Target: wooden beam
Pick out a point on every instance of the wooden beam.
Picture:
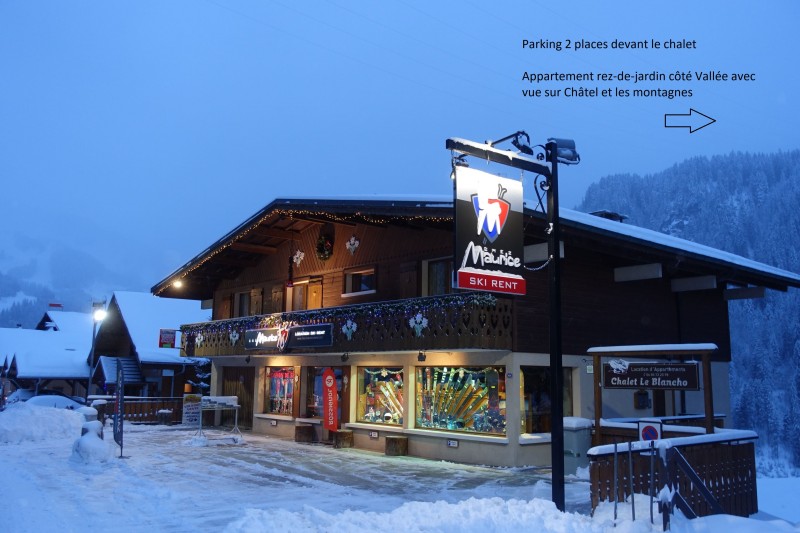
(638, 272)
(598, 400)
(254, 248)
(274, 232)
(708, 393)
(743, 293)
(699, 283)
(535, 253)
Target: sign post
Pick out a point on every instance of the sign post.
(119, 408)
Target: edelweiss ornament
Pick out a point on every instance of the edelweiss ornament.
(418, 323)
(298, 257)
(352, 244)
(234, 337)
(198, 341)
(349, 328)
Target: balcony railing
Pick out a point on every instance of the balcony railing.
(456, 321)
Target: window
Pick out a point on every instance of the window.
(359, 282)
(380, 395)
(470, 399)
(437, 277)
(314, 391)
(536, 405)
(243, 304)
(279, 390)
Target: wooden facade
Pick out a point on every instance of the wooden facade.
(296, 263)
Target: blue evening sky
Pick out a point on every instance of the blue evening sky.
(139, 132)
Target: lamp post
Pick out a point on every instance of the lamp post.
(98, 314)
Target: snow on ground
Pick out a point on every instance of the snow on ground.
(173, 480)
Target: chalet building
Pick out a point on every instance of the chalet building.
(141, 333)
(360, 294)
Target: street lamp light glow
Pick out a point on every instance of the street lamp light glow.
(99, 315)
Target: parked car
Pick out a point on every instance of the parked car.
(58, 400)
(23, 395)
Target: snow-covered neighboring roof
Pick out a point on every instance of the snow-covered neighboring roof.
(45, 354)
(145, 315)
(70, 322)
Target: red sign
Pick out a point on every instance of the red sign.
(166, 338)
(330, 402)
(481, 281)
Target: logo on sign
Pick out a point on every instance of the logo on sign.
(491, 210)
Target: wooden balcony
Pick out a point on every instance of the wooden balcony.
(449, 322)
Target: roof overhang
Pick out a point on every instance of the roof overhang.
(284, 218)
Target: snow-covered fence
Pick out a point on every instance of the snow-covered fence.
(142, 409)
(719, 472)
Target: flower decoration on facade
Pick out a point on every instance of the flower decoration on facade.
(324, 246)
(298, 257)
(234, 337)
(352, 244)
(418, 323)
(349, 328)
(198, 341)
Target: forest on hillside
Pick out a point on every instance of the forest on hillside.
(747, 204)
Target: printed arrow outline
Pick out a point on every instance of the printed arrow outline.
(691, 112)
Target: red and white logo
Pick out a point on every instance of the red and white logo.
(491, 210)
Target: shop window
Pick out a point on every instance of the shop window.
(380, 395)
(279, 390)
(469, 399)
(358, 282)
(536, 403)
(315, 391)
(437, 277)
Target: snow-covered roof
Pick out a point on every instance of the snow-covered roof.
(70, 322)
(145, 315)
(650, 237)
(45, 354)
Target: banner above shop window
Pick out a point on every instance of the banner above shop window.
(310, 336)
(489, 245)
(620, 374)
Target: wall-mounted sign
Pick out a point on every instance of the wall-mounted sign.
(309, 336)
(166, 338)
(620, 374)
(489, 246)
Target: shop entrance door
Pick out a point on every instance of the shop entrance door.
(239, 381)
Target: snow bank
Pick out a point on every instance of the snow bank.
(25, 423)
(489, 514)
(90, 448)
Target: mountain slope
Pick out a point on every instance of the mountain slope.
(746, 204)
